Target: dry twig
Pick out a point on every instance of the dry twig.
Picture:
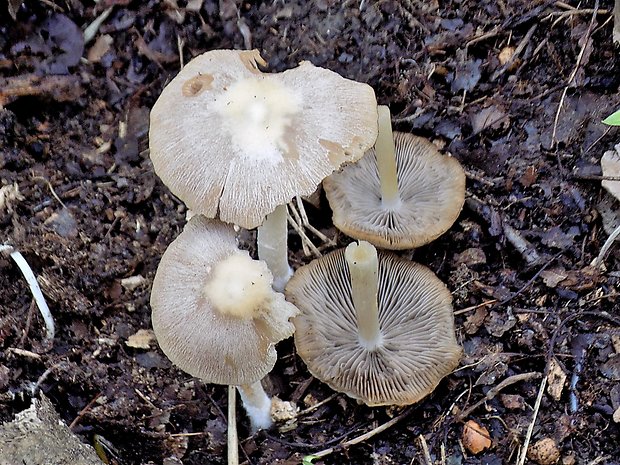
(526, 38)
(530, 428)
(496, 390)
(573, 74)
(365, 436)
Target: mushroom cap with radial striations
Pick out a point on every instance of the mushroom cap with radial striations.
(214, 313)
(418, 345)
(432, 193)
(234, 142)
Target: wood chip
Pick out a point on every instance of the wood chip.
(555, 380)
(142, 339)
(60, 88)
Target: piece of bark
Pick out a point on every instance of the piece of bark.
(37, 435)
(61, 88)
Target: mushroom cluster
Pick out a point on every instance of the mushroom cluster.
(235, 145)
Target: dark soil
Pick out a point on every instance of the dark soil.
(91, 214)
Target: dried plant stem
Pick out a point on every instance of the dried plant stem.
(496, 390)
(34, 289)
(598, 261)
(365, 436)
(573, 74)
(530, 428)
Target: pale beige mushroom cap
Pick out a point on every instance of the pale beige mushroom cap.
(432, 191)
(213, 310)
(416, 321)
(232, 141)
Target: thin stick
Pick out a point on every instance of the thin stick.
(496, 390)
(426, 453)
(527, 250)
(299, 230)
(317, 405)
(573, 74)
(598, 261)
(34, 289)
(306, 223)
(475, 307)
(233, 440)
(51, 188)
(91, 30)
(43, 377)
(180, 45)
(595, 177)
(82, 412)
(364, 436)
(24, 353)
(526, 38)
(530, 428)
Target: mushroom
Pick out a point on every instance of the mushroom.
(234, 142)
(215, 314)
(402, 194)
(374, 326)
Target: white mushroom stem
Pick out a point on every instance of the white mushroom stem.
(272, 246)
(386, 161)
(233, 440)
(364, 270)
(35, 289)
(257, 405)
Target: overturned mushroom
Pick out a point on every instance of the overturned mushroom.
(214, 312)
(374, 326)
(234, 142)
(402, 194)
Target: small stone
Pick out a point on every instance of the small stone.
(544, 452)
(62, 223)
(505, 55)
(569, 459)
(133, 282)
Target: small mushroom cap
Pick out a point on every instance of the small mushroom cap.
(232, 141)
(213, 310)
(432, 192)
(416, 321)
